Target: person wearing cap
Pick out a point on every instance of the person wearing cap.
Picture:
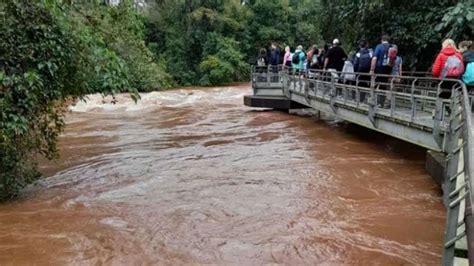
(335, 57)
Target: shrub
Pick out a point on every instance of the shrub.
(37, 61)
(51, 51)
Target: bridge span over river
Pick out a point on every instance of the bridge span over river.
(410, 109)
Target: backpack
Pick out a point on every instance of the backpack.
(348, 70)
(453, 67)
(296, 58)
(390, 56)
(365, 60)
(468, 77)
(261, 61)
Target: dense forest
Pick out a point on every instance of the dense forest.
(53, 51)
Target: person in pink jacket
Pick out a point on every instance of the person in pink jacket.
(287, 57)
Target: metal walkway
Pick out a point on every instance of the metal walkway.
(409, 109)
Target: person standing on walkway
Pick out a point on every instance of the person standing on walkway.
(382, 63)
(287, 57)
(298, 60)
(381, 60)
(274, 57)
(312, 56)
(362, 62)
(467, 50)
(397, 67)
(322, 55)
(262, 61)
(448, 64)
(334, 61)
(335, 57)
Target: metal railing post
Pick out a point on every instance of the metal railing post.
(392, 99)
(413, 101)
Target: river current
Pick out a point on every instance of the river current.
(193, 176)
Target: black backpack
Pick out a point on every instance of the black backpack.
(296, 58)
(365, 60)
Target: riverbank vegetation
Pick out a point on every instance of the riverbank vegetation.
(53, 50)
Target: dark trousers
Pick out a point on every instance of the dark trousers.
(382, 81)
(364, 81)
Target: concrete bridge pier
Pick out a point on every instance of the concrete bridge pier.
(280, 103)
(436, 166)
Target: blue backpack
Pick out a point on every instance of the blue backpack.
(468, 77)
(365, 60)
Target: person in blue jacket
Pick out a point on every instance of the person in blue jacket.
(298, 60)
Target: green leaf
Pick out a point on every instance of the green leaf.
(470, 16)
(456, 10)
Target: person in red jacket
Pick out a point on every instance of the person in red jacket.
(449, 49)
(448, 64)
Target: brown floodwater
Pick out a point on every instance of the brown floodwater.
(193, 176)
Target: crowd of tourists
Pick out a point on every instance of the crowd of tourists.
(452, 62)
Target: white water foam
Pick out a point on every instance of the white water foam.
(151, 100)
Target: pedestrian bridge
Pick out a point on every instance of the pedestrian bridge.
(408, 108)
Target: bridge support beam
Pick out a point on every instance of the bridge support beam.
(436, 166)
(275, 102)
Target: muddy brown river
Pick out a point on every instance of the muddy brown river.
(193, 176)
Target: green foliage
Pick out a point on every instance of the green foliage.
(222, 61)
(197, 40)
(214, 41)
(416, 26)
(55, 50)
(458, 22)
(113, 39)
(37, 61)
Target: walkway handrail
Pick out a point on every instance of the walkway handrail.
(469, 172)
(424, 77)
(268, 68)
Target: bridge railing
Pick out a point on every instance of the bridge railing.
(417, 83)
(406, 98)
(460, 149)
(267, 76)
(469, 171)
